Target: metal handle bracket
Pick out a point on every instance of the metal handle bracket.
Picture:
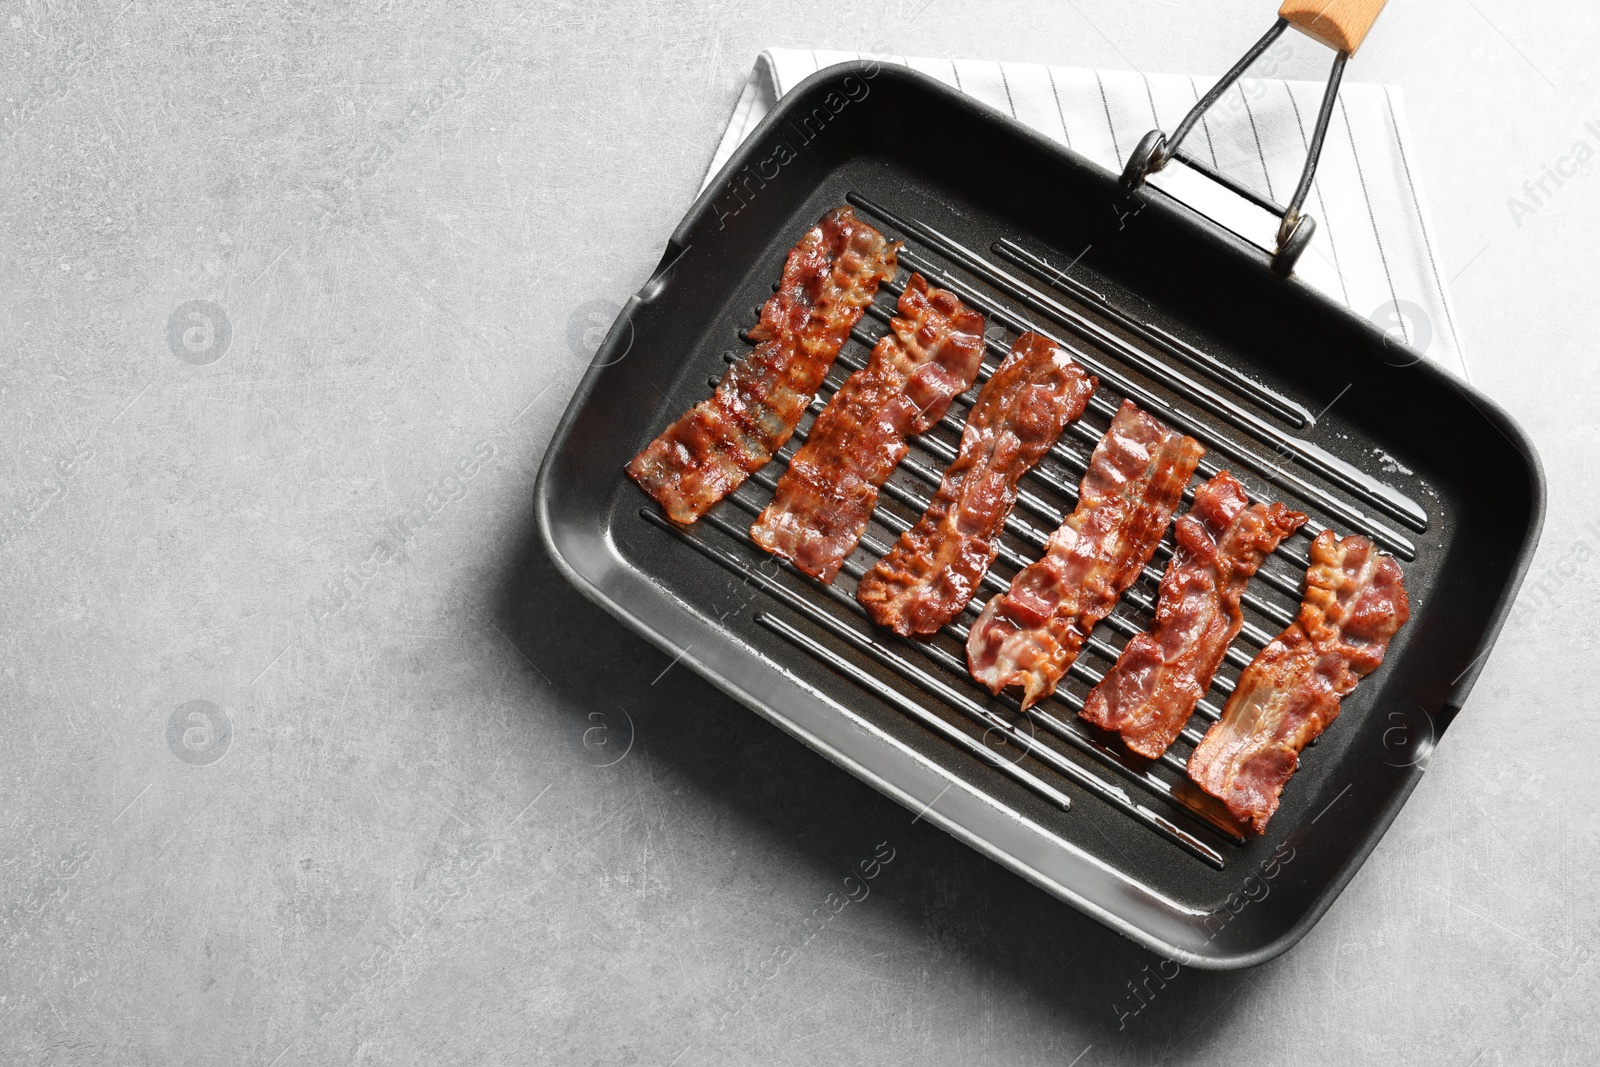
(1295, 230)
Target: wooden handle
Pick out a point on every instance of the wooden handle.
(1340, 24)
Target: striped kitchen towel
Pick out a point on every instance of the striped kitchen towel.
(1372, 251)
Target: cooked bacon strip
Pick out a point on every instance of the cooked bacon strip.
(1355, 602)
(825, 499)
(931, 572)
(828, 280)
(1030, 635)
(1161, 675)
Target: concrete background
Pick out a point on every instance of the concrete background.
(231, 835)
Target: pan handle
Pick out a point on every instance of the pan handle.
(1340, 24)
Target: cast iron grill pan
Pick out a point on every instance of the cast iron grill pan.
(1301, 400)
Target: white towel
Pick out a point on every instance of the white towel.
(1372, 251)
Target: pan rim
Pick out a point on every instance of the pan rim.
(1226, 243)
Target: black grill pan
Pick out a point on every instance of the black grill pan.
(1168, 309)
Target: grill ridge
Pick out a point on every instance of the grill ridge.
(941, 673)
(1370, 489)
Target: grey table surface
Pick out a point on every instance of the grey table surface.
(237, 827)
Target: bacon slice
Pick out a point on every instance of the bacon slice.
(823, 502)
(830, 277)
(933, 569)
(1355, 603)
(1161, 675)
(1030, 635)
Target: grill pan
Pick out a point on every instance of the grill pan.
(1171, 311)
